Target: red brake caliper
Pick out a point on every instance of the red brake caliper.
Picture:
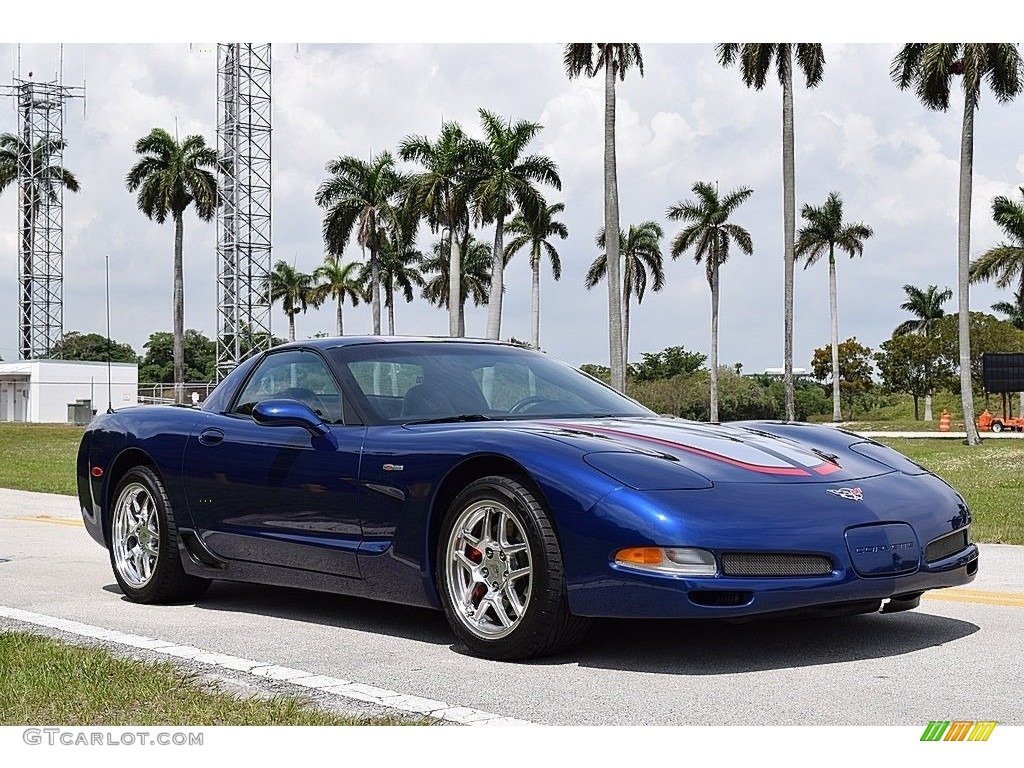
(479, 590)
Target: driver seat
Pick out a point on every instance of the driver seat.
(426, 400)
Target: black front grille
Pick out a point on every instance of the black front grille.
(947, 545)
(774, 564)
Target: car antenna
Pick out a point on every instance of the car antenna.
(110, 389)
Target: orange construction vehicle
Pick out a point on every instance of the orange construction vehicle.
(987, 422)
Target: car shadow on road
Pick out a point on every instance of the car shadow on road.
(720, 648)
(329, 610)
(636, 645)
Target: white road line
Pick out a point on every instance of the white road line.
(329, 685)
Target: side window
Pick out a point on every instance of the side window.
(385, 383)
(294, 375)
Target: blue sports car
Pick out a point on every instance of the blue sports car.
(512, 491)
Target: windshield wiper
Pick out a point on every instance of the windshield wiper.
(452, 419)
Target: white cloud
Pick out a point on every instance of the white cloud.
(687, 119)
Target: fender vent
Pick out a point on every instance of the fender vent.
(947, 545)
(774, 565)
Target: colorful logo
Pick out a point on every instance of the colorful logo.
(958, 730)
(853, 494)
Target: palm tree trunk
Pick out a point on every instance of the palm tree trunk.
(291, 326)
(611, 228)
(714, 338)
(833, 310)
(963, 267)
(375, 288)
(456, 322)
(179, 312)
(462, 318)
(497, 292)
(535, 299)
(391, 313)
(928, 390)
(789, 233)
(340, 320)
(625, 334)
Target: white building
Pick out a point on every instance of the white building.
(40, 391)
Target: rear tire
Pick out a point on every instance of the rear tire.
(500, 573)
(997, 426)
(144, 543)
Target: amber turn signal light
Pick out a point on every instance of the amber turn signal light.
(640, 555)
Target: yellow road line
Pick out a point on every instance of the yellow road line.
(1015, 599)
(51, 520)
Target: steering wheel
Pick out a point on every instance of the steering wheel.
(307, 397)
(526, 402)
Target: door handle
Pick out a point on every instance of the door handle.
(211, 437)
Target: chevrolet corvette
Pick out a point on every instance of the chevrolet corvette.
(511, 491)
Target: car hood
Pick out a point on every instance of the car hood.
(748, 452)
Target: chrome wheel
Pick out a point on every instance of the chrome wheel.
(489, 569)
(135, 535)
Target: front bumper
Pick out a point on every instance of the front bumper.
(630, 594)
(906, 512)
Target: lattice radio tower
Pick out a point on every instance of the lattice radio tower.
(243, 217)
(40, 108)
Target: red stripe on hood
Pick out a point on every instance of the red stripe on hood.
(825, 469)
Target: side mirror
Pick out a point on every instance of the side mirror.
(289, 413)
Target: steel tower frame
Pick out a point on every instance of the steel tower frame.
(40, 108)
(244, 213)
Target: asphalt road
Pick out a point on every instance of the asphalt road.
(959, 656)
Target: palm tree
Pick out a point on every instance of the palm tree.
(537, 232)
(1014, 310)
(1004, 263)
(926, 306)
(441, 194)
(930, 68)
(171, 176)
(337, 281)
(48, 179)
(504, 180)
(615, 59)
(710, 233)
(756, 61)
(294, 289)
(359, 196)
(399, 260)
(474, 275)
(640, 251)
(14, 151)
(824, 232)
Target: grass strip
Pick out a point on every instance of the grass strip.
(47, 682)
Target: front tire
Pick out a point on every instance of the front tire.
(144, 543)
(500, 573)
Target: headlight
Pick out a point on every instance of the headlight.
(677, 561)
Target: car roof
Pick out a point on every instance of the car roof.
(351, 341)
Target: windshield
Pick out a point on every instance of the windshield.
(438, 381)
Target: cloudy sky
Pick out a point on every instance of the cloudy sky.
(894, 162)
